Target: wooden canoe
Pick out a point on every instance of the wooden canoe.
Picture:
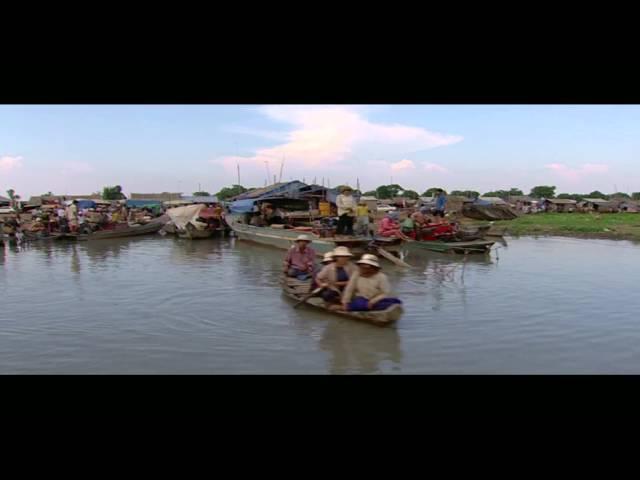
(130, 231)
(297, 289)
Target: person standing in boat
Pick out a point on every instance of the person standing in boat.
(335, 276)
(441, 205)
(368, 288)
(346, 211)
(362, 219)
(300, 260)
(72, 216)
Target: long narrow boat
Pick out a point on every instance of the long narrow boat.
(475, 246)
(284, 238)
(296, 290)
(129, 231)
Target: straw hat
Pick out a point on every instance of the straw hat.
(303, 238)
(342, 252)
(369, 259)
(346, 189)
(328, 257)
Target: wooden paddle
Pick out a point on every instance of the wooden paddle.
(307, 297)
(392, 258)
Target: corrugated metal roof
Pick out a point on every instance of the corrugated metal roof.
(283, 188)
(595, 200)
(567, 201)
(495, 200)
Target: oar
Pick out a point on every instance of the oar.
(392, 258)
(307, 297)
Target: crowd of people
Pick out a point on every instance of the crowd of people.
(73, 217)
(345, 285)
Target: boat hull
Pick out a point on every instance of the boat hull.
(296, 290)
(478, 246)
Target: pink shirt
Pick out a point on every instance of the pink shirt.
(299, 260)
(388, 225)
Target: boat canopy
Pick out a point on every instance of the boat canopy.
(181, 216)
(294, 190)
(242, 206)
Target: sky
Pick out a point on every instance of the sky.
(79, 149)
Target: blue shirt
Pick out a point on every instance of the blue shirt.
(441, 201)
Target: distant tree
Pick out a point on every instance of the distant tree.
(571, 196)
(112, 193)
(635, 195)
(465, 193)
(410, 194)
(597, 194)
(515, 192)
(431, 191)
(370, 193)
(543, 191)
(13, 198)
(497, 193)
(388, 191)
(229, 192)
(620, 195)
(48, 194)
(201, 194)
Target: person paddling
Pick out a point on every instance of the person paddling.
(368, 288)
(335, 276)
(300, 259)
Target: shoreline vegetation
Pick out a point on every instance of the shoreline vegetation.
(613, 226)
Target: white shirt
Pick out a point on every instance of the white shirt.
(346, 205)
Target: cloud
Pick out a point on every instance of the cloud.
(577, 173)
(403, 165)
(432, 167)
(8, 163)
(324, 136)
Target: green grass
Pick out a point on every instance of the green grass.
(605, 225)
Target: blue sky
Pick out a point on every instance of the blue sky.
(78, 149)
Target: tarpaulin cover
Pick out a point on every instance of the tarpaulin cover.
(143, 203)
(86, 204)
(242, 206)
(181, 216)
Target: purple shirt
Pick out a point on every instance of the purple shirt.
(299, 260)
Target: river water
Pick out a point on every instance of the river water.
(165, 305)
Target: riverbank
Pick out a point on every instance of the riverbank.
(614, 226)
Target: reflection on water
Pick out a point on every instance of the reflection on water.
(166, 305)
(359, 351)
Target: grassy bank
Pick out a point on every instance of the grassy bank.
(624, 226)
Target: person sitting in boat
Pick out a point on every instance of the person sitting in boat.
(389, 226)
(368, 288)
(335, 276)
(327, 259)
(273, 215)
(300, 259)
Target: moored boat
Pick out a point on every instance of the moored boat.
(297, 290)
(283, 238)
(475, 246)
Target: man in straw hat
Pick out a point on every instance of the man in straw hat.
(368, 288)
(346, 211)
(300, 259)
(335, 276)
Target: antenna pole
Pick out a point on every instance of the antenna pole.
(281, 167)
